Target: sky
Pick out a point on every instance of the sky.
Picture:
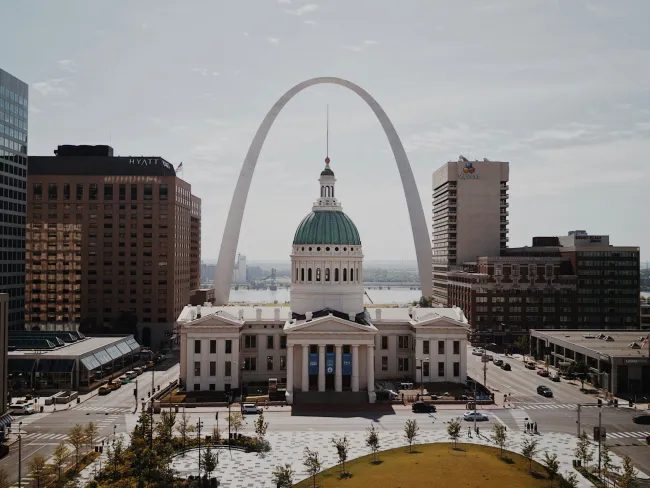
(557, 88)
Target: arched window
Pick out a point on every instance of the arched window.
(351, 274)
(327, 274)
(336, 274)
(296, 274)
(317, 274)
(309, 274)
(322, 191)
(332, 192)
(345, 274)
(302, 274)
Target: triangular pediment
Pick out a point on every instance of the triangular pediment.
(437, 321)
(220, 319)
(329, 324)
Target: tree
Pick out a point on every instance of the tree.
(282, 476)
(77, 439)
(425, 302)
(453, 430)
(551, 465)
(628, 475)
(569, 480)
(312, 463)
(372, 441)
(500, 437)
(216, 433)
(583, 449)
(116, 455)
(528, 450)
(38, 469)
(4, 478)
(236, 421)
(411, 431)
(581, 369)
(183, 426)
(90, 433)
(522, 344)
(342, 450)
(165, 428)
(260, 427)
(606, 463)
(210, 461)
(60, 454)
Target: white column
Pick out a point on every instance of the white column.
(289, 368)
(355, 368)
(338, 368)
(370, 355)
(321, 367)
(305, 368)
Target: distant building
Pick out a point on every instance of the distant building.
(470, 216)
(108, 235)
(645, 313)
(13, 183)
(239, 273)
(5, 418)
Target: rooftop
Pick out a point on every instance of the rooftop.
(599, 341)
(75, 349)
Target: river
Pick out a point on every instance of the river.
(396, 295)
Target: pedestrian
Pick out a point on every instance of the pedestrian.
(535, 427)
(478, 433)
(469, 432)
(527, 426)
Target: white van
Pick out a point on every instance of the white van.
(21, 410)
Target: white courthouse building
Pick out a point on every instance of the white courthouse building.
(327, 342)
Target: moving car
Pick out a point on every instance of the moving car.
(531, 365)
(545, 391)
(478, 351)
(498, 362)
(556, 378)
(104, 390)
(20, 410)
(642, 418)
(480, 417)
(251, 408)
(542, 372)
(421, 407)
(506, 367)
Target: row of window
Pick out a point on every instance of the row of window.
(93, 191)
(300, 275)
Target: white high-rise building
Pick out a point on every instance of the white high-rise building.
(239, 272)
(470, 216)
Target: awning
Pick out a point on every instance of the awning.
(124, 348)
(103, 357)
(114, 352)
(6, 420)
(90, 362)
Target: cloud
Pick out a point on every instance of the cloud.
(284, 1)
(205, 72)
(273, 40)
(310, 22)
(362, 46)
(305, 9)
(144, 26)
(246, 34)
(33, 109)
(53, 86)
(67, 65)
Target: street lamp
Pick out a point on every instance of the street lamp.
(421, 360)
(199, 424)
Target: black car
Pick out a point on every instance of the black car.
(545, 391)
(421, 407)
(642, 418)
(506, 367)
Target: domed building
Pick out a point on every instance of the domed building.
(328, 347)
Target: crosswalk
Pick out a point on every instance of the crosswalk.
(625, 435)
(83, 408)
(551, 406)
(48, 438)
(520, 417)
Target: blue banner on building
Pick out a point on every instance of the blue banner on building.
(313, 364)
(329, 363)
(347, 364)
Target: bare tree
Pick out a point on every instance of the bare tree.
(411, 431)
(38, 469)
(77, 439)
(551, 465)
(236, 421)
(372, 441)
(607, 465)
(583, 449)
(91, 433)
(183, 426)
(528, 450)
(628, 474)
(312, 462)
(500, 437)
(60, 454)
(342, 450)
(453, 430)
(282, 476)
(260, 426)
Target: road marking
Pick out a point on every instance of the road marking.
(622, 435)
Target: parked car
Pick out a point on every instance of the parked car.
(251, 408)
(478, 351)
(139, 370)
(506, 367)
(131, 374)
(556, 378)
(531, 365)
(150, 364)
(421, 407)
(480, 417)
(21, 410)
(114, 385)
(542, 372)
(124, 379)
(498, 362)
(545, 391)
(642, 418)
(104, 390)
(647, 440)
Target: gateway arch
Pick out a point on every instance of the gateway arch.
(226, 262)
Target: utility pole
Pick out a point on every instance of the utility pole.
(600, 436)
(20, 454)
(229, 404)
(578, 420)
(198, 434)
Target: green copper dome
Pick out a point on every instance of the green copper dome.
(327, 227)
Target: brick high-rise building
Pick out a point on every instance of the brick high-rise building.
(195, 244)
(13, 184)
(106, 236)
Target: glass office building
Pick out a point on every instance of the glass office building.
(13, 199)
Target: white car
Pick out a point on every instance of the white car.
(480, 417)
(251, 408)
(21, 410)
(478, 352)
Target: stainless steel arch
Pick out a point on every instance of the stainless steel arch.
(226, 262)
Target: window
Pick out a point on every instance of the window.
(213, 346)
(269, 342)
(108, 191)
(283, 342)
(403, 342)
(213, 368)
(38, 191)
(269, 363)
(80, 191)
(403, 364)
(212, 386)
(228, 346)
(197, 368)
(456, 369)
(250, 341)
(162, 192)
(456, 347)
(134, 192)
(441, 369)
(66, 191)
(148, 191)
(384, 363)
(317, 274)
(92, 191)
(425, 347)
(441, 347)
(384, 342)
(52, 191)
(327, 274)
(228, 368)
(197, 387)
(197, 347)
(283, 363)
(309, 274)
(122, 191)
(425, 368)
(250, 364)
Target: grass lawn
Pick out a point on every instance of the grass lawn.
(435, 465)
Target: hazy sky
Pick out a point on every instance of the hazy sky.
(558, 88)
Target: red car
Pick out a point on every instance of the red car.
(542, 372)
